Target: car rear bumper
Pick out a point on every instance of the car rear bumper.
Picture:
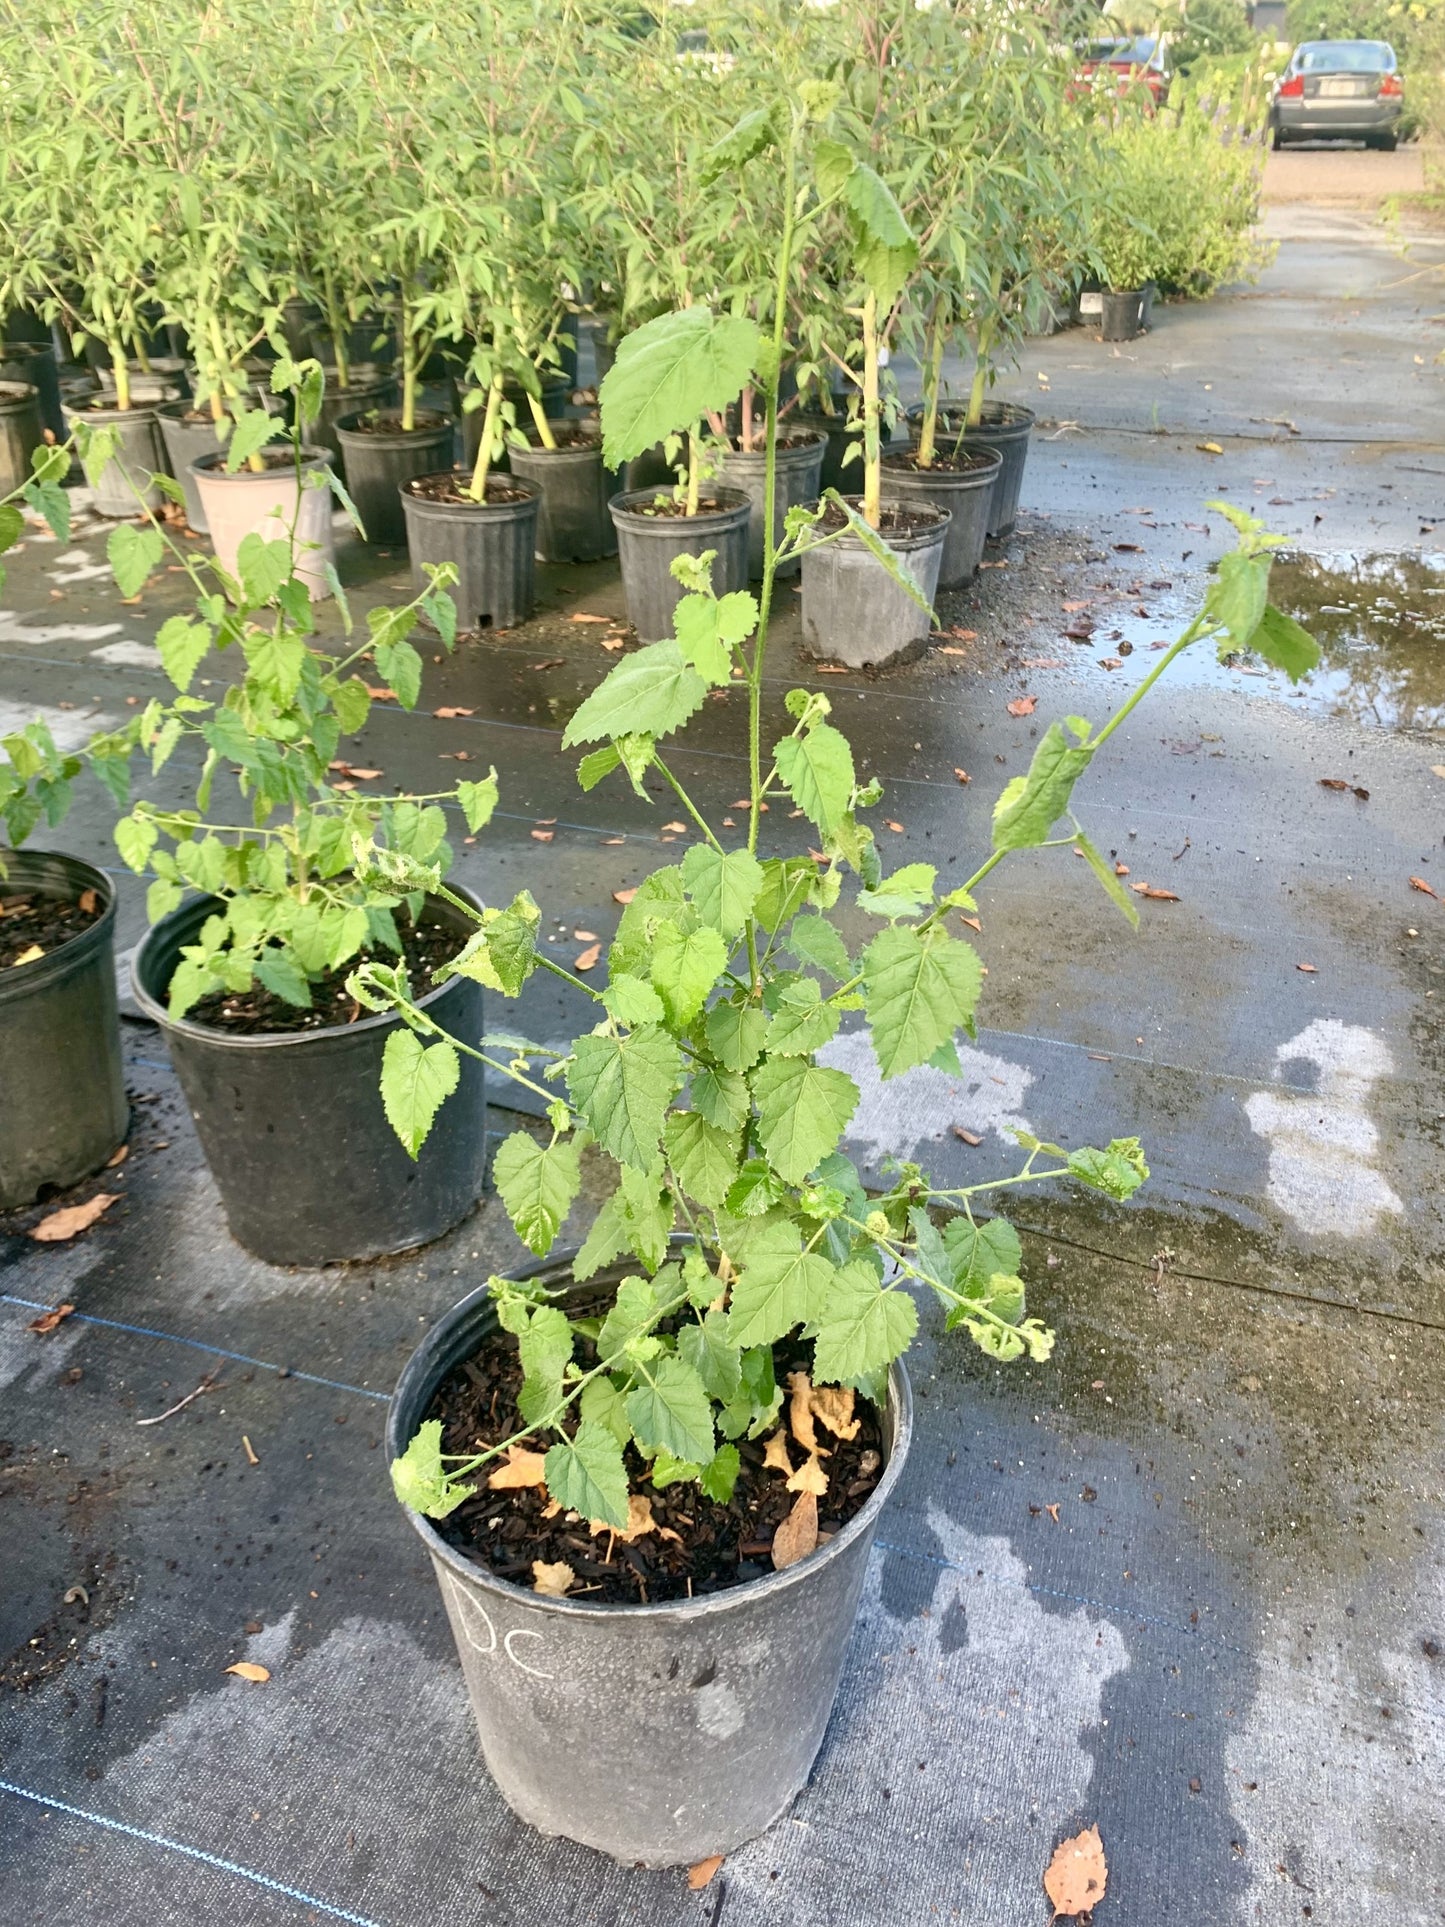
(1336, 119)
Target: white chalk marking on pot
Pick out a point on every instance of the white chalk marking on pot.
(518, 1632)
(129, 655)
(15, 628)
(923, 1104)
(464, 1607)
(1322, 1146)
(719, 1711)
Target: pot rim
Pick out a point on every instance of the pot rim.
(94, 407)
(806, 443)
(17, 394)
(16, 983)
(950, 477)
(441, 423)
(621, 504)
(916, 539)
(428, 505)
(574, 450)
(1005, 414)
(900, 1401)
(208, 466)
(192, 908)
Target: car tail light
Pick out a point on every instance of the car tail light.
(1391, 87)
(1293, 88)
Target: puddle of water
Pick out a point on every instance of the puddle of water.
(1380, 621)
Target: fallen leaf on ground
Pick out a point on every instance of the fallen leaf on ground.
(1071, 608)
(379, 693)
(678, 829)
(1209, 448)
(775, 1452)
(1043, 662)
(1308, 969)
(1023, 706)
(248, 1669)
(702, 1873)
(88, 902)
(1053, 1511)
(1437, 769)
(1148, 890)
(585, 959)
(584, 936)
(1333, 783)
(1129, 548)
(797, 1536)
(552, 662)
(800, 1410)
(454, 710)
(613, 643)
(889, 824)
(48, 1320)
(1111, 662)
(32, 955)
(1077, 1875)
(117, 1157)
(969, 1137)
(456, 756)
(963, 775)
(523, 1468)
(945, 650)
(250, 1451)
(964, 635)
(550, 1580)
(542, 836)
(1419, 883)
(585, 615)
(361, 775)
(972, 922)
(75, 1218)
(608, 841)
(1121, 869)
(624, 896)
(833, 1407)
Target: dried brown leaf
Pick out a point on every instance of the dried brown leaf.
(88, 902)
(889, 824)
(1077, 1875)
(552, 662)
(624, 896)
(586, 615)
(963, 775)
(117, 1156)
(639, 1521)
(523, 1468)
(833, 1407)
(48, 1320)
(797, 1536)
(1149, 890)
(775, 1453)
(698, 1876)
(73, 1219)
(1419, 883)
(248, 1669)
(1023, 706)
(454, 709)
(678, 829)
(800, 1410)
(809, 1477)
(1333, 783)
(969, 1137)
(31, 955)
(552, 1580)
(1308, 969)
(584, 936)
(585, 959)
(542, 836)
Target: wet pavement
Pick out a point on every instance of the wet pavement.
(1228, 1649)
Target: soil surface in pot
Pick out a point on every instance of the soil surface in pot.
(945, 462)
(677, 511)
(448, 488)
(894, 518)
(717, 1546)
(29, 922)
(279, 457)
(389, 422)
(568, 435)
(735, 443)
(195, 418)
(259, 1012)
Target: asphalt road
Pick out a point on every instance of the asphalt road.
(1227, 1650)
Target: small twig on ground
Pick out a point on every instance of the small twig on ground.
(205, 1386)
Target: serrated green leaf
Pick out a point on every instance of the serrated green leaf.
(597, 764)
(862, 1328)
(736, 1034)
(622, 1086)
(1238, 596)
(352, 703)
(778, 1287)
(283, 976)
(49, 499)
(722, 1097)
(708, 628)
(253, 429)
(704, 1158)
(1030, 805)
(538, 1184)
(401, 668)
(416, 1080)
(669, 373)
(275, 658)
(602, 1403)
(628, 1000)
(685, 966)
(585, 1474)
(802, 1022)
(724, 886)
(976, 1251)
(12, 526)
(1113, 889)
(1118, 1170)
(919, 990)
(1284, 644)
(263, 567)
(789, 884)
(653, 691)
(420, 1479)
(658, 896)
(708, 1347)
(666, 1470)
(813, 940)
(670, 1411)
(133, 553)
(183, 648)
(756, 1189)
(503, 953)
(135, 838)
(817, 770)
(718, 1478)
(803, 1110)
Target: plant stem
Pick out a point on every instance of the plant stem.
(336, 324)
(872, 451)
(1191, 634)
(408, 376)
(478, 489)
(932, 381)
(121, 372)
(686, 802)
(983, 361)
(694, 472)
(540, 422)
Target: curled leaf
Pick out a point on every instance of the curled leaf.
(72, 1219)
(552, 1581)
(775, 1453)
(523, 1468)
(800, 1410)
(809, 1477)
(833, 1407)
(248, 1669)
(797, 1536)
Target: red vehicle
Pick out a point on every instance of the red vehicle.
(1134, 61)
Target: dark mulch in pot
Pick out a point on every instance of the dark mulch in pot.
(945, 460)
(894, 518)
(195, 418)
(568, 435)
(283, 455)
(448, 488)
(805, 440)
(389, 422)
(718, 1546)
(666, 506)
(260, 1012)
(27, 920)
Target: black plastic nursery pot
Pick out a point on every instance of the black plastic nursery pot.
(1121, 314)
(796, 482)
(379, 455)
(292, 1125)
(369, 387)
(1006, 426)
(493, 545)
(835, 472)
(572, 523)
(966, 492)
(853, 610)
(21, 432)
(34, 362)
(139, 455)
(647, 543)
(556, 393)
(63, 1107)
(658, 1734)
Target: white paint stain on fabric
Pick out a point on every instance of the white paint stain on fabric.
(920, 1105)
(129, 655)
(69, 727)
(78, 565)
(20, 628)
(1323, 1146)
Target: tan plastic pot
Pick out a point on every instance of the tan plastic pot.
(267, 505)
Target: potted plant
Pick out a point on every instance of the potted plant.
(648, 1471)
(65, 1108)
(246, 978)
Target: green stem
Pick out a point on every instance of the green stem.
(408, 376)
(872, 447)
(336, 326)
(932, 382)
(478, 489)
(687, 802)
(121, 372)
(694, 472)
(540, 422)
(1192, 634)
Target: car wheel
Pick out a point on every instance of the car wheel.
(1279, 141)
(1386, 143)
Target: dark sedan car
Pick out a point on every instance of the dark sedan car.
(1339, 90)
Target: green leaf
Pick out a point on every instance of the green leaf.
(628, 1000)
(666, 1470)
(352, 703)
(788, 884)
(263, 567)
(709, 1349)
(416, 1080)
(401, 667)
(585, 1474)
(283, 976)
(778, 1287)
(718, 1478)
(1284, 644)
(420, 1479)
(183, 646)
(275, 658)
(919, 989)
(602, 1402)
(1030, 805)
(862, 1328)
(722, 1097)
(133, 553)
(135, 838)
(685, 966)
(977, 1251)
(49, 499)
(670, 1411)
(802, 1022)
(669, 373)
(756, 1189)
(736, 1034)
(754, 134)
(597, 764)
(723, 886)
(12, 526)
(1118, 1170)
(1113, 889)
(709, 627)
(253, 429)
(904, 894)
(868, 196)
(477, 801)
(658, 896)
(704, 1158)
(817, 770)
(622, 1086)
(503, 953)
(803, 1110)
(652, 691)
(1238, 596)
(537, 1183)
(813, 940)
